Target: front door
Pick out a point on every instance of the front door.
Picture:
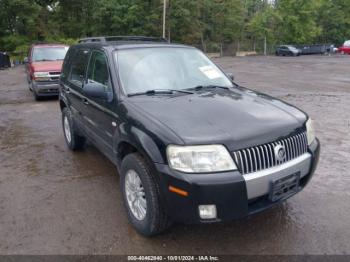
(99, 116)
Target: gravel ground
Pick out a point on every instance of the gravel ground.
(53, 201)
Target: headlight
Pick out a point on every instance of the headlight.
(310, 131)
(42, 76)
(200, 159)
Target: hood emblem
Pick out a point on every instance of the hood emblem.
(280, 153)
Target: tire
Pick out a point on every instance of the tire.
(36, 96)
(30, 86)
(153, 220)
(73, 140)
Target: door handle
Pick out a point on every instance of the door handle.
(85, 101)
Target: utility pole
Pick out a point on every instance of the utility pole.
(164, 18)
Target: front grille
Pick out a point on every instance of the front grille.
(262, 157)
(54, 76)
(54, 73)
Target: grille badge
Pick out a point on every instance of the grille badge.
(280, 153)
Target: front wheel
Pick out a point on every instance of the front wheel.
(30, 86)
(73, 140)
(141, 195)
(36, 96)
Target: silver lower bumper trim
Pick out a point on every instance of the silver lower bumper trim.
(258, 183)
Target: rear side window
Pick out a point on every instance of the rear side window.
(66, 63)
(78, 67)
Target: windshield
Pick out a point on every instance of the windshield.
(175, 68)
(49, 53)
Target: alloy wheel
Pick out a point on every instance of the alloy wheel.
(135, 195)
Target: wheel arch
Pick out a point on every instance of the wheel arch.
(62, 104)
(126, 147)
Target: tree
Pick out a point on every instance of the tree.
(298, 24)
(333, 18)
(207, 24)
(18, 23)
(263, 24)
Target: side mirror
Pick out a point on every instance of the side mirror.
(231, 76)
(95, 90)
(26, 60)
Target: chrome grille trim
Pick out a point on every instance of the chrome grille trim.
(261, 157)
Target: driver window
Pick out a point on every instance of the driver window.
(98, 70)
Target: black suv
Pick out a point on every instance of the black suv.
(189, 144)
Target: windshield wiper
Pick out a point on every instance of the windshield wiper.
(208, 86)
(160, 91)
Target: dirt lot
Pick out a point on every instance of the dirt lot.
(53, 201)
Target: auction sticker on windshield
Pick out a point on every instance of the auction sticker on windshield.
(210, 72)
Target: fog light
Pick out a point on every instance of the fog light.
(207, 211)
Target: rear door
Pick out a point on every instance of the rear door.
(99, 116)
(73, 86)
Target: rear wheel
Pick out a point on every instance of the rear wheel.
(141, 194)
(73, 140)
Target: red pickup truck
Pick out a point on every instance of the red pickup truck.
(345, 49)
(43, 66)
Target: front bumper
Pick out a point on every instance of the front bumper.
(234, 195)
(45, 88)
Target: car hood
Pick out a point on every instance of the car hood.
(240, 118)
(47, 66)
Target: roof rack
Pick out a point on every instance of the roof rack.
(105, 39)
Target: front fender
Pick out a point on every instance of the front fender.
(143, 142)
